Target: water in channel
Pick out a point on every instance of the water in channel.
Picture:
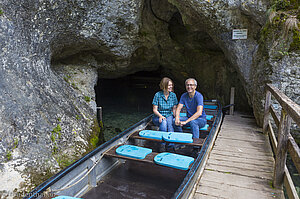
(125, 101)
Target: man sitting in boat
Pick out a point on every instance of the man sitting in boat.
(193, 101)
(164, 106)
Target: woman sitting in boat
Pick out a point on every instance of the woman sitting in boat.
(164, 106)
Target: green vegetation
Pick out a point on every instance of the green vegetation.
(295, 45)
(1, 12)
(66, 79)
(74, 86)
(94, 141)
(284, 20)
(64, 161)
(77, 117)
(52, 137)
(96, 137)
(16, 141)
(87, 98)
(285, 4)
(55, 133)
(8, 155)
(57, 130)
(271, 184)
(55, 149)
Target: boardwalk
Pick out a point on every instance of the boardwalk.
(240, 164)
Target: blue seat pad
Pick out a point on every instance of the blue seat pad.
(211, 106)
(65, 197)
(182, 114)
(152, 134)
(174, 160)
(208, 117)
(178, 137)
(205, 127)
(133, 151)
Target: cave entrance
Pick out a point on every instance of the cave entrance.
(126, 100)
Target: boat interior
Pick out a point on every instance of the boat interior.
(105, 173)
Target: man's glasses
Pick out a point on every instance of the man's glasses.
(190, 85)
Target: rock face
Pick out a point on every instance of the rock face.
(47, 119)
(53, 52)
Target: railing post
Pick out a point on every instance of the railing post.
(267, 111)
(99, 114)
(231, 100)
(281, 152)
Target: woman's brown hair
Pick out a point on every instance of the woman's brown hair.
(164, 83)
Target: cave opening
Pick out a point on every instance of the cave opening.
(131, 93)
(126, 100)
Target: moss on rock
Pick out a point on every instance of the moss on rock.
(295, 45)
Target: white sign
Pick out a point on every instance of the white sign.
(239, 33)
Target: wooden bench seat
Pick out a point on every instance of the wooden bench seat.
(196, 141)
(148, 159)
(112, 153)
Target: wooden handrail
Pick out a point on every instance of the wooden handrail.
(290, 111)
(287, 104)
(288, 182)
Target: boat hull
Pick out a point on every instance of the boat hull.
(99, 176)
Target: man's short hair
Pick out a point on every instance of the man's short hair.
(191, 79)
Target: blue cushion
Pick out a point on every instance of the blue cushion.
(65, 197)
(174, 160)
(205, 127)
(133, 151)
(152, 134)
(209, 117)
(178, 137)
(211, 106)
(182, 114)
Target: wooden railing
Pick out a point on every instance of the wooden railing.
(285, 142)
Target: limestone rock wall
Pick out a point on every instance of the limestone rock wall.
(46, 120)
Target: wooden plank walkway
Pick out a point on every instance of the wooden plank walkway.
(240, 164)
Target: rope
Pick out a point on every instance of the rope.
(89, 171)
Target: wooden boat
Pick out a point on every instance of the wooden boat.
(104, 174)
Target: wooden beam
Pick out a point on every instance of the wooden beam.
(266, 112)
(287, 104)
(281, 152)
(294, 152)
(272, 137)
(112, 153)
(275, 115)
(289, 185)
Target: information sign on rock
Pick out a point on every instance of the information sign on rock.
(239, 33)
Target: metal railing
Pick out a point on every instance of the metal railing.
(284, 142)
